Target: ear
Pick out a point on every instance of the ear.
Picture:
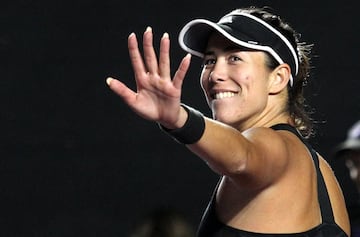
(279, 78)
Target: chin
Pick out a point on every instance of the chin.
(222, 118)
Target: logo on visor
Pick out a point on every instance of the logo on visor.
(226, 19)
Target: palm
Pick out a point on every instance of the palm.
(157, 96)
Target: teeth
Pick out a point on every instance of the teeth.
(222, 95)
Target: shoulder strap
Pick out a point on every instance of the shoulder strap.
(209, 223)
(323, 196)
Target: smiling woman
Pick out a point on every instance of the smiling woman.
(253, 77)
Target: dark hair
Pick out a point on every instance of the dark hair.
(299, 111)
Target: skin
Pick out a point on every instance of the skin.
(269, 179)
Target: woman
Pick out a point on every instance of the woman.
(272, 182)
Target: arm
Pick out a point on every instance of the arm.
(254, 158)
(243, 156)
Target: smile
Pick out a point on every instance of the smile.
(222, 95)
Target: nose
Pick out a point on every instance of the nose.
(214, 77)
(218, 72)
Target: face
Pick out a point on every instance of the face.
(353, 163)
(235, 82)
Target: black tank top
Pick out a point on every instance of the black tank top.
(210, 226)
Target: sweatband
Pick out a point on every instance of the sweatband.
(192, 130)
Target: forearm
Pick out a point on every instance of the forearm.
(222, 147)
(226, 150)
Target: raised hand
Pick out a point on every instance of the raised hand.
(157, 96)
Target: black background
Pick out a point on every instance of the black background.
(75, 161)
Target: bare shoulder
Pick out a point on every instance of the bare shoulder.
(271, 154)
(277, 144)
(267, 135)
(336, 196)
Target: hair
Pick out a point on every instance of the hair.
(298, 109)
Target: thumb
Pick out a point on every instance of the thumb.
(121, 89)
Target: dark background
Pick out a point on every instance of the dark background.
(75, 161)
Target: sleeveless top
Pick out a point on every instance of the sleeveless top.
(210, 226)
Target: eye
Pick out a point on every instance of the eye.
(209, 61)
(234, 58)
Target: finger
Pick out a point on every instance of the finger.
(181, 72)
(149, 52)
(122, 90)
(135, 56)
(164, 58)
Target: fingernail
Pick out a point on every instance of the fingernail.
(165, 35)
(108, 80)
(148, 29)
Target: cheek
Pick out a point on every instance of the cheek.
(243, 76)
(204, 80)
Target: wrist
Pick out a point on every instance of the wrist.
(183, 116)
(191, 126)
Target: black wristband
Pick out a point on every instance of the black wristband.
(192, 130)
